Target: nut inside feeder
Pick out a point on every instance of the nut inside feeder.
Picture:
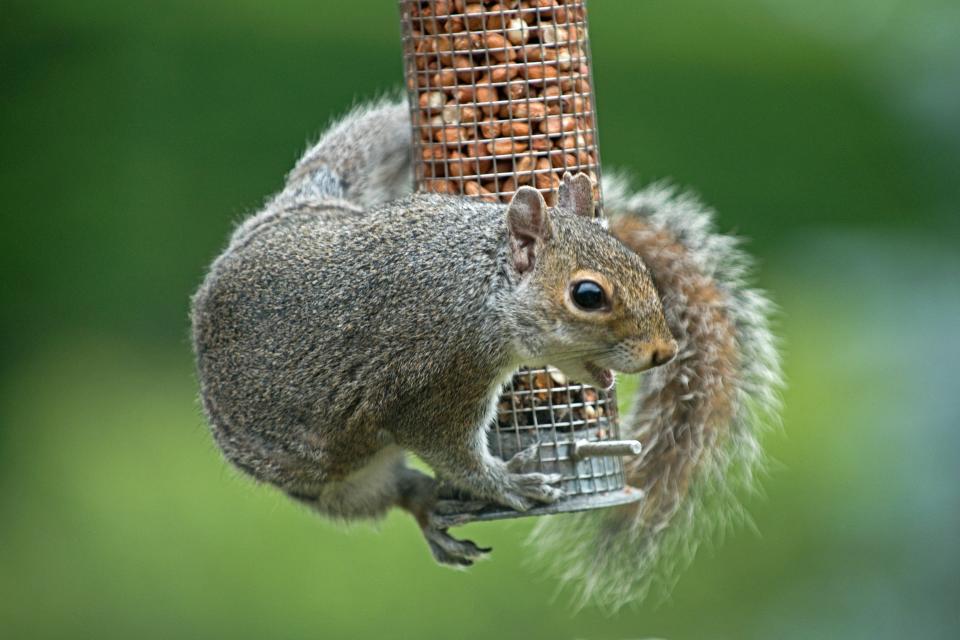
(501, 96)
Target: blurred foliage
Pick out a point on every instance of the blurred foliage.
(134, 134)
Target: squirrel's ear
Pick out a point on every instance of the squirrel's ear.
(576, 194)
(528, 225)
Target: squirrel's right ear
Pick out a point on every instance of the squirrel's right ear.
(576, 194)
(528, 227)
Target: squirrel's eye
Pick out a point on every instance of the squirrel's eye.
(588, 295)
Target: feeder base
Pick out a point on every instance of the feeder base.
(626, 495)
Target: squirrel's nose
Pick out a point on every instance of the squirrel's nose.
(662, 353)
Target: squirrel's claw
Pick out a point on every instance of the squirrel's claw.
(450, 551)
(445, 548)
(526, 489)
(523, 461)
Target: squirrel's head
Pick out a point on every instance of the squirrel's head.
(584, 302)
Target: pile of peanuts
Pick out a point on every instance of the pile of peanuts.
(500, 94)
(545, 397)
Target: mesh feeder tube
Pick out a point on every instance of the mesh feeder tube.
(501, 96)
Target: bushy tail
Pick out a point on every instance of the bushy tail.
(363, 159)
(698, 417)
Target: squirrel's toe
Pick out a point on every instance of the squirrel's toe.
(525, 460)
(450, 551)
(529, 488)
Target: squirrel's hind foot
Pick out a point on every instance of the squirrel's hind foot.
(445, 548)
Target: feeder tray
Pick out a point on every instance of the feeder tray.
(501, 96)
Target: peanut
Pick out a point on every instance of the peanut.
(468, 114)
(494, 20)
(547, 181)
(473, 188)
(506, 146)
(490, 128)
(432, 100)
(504, 72)
(541, 143)
(452, 135)
(517, 31)
(464, 68)
(563, 160)
(455, 165)
(474, 17)
(450, 114)
(524, 166)
(516, 90)
(499, 48)
(553, 125)
(486, 96)
(541, 72)
(552, 34)
(440, 186)
(519, 128)
(444, 78)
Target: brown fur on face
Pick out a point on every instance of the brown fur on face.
(629, 334)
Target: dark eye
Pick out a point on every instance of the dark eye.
(588, 295)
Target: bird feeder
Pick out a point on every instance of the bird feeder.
(501, 96)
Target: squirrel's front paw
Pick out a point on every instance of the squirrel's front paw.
(521, 491)
(524, 490)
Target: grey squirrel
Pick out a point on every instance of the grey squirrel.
(327, 333)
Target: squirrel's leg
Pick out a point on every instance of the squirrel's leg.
(470, 466)
(418, 495)
(384, 482)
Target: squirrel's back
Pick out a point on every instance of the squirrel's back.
(309, 313)
(318, 303)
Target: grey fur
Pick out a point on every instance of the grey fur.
(343, 326)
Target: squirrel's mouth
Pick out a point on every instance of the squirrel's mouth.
(604, 377)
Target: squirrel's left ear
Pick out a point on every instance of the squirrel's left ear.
(576, 194)
(528, 227)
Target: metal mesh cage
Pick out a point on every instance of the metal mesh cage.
(501, 96)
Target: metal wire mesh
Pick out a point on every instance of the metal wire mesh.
(541, 406)
(501, 96)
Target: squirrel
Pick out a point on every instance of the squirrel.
(327, 331)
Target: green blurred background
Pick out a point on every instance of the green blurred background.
(134, 134)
